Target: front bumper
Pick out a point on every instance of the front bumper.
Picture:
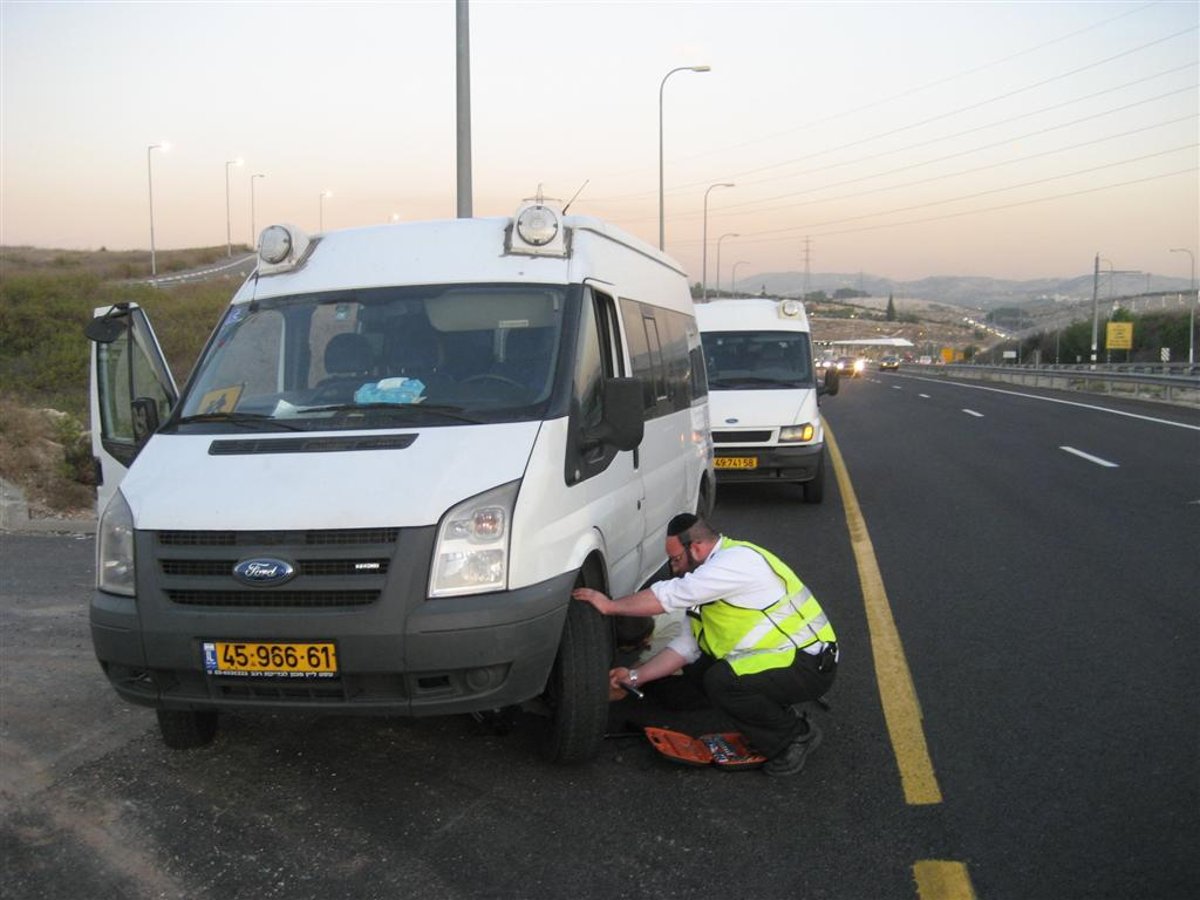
(398, 653)
(773, 463)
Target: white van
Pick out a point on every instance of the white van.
(400, 450)
(764, 390)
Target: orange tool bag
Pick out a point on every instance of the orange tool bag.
(729, 750)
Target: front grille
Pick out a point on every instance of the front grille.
(272, 598)
(333, 568)
(314, 538)
(215, 568)
(741, 437)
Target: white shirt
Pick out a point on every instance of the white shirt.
(737, 575)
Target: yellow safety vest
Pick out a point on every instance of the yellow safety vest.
(754, 640)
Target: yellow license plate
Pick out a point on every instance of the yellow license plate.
(316, 660)
(736, 462)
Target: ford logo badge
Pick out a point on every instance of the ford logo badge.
(264, 571)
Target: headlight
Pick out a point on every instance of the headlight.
(114, 548)
(797, 434)
(471, 552)
(859, 365)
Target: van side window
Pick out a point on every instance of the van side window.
(128, 370)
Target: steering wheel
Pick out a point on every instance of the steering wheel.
(491, 376)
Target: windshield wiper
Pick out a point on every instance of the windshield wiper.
(449, 412)
(753, 379)
(242, 419)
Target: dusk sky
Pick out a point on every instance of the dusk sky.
(902, 140)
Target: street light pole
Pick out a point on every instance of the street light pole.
(150, 183)
(321, 211)
(253, 232)
(662, 233)
(721, 238)
(1195, 301)
(704, 242)
(733, 278)
(228, 226)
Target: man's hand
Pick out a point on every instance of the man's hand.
(603, 605)
(618, 678)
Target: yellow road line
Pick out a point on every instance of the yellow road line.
(896, 691)
(941, 879)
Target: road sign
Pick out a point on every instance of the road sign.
(1165, 354)
(1119, 336)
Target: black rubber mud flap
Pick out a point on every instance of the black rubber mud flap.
(578, 688)
(814, 490)
(183, 729)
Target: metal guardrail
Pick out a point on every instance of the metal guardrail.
(1142, 381)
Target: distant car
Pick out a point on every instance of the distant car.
(848, 365)
(889, 362)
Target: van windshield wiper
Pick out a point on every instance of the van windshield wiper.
(742, 380)
(346, 409)
(241, 419)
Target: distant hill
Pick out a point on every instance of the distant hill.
(967, 291)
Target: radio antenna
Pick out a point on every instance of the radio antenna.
(577, 193)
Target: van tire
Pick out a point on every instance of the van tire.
(577, 692)
(814, 489)
(186, 729)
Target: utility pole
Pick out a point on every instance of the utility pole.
(463, 121)
(1095, 308)
(807, 260)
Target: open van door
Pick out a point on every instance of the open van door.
(131, 392)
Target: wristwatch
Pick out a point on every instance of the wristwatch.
(633, 676)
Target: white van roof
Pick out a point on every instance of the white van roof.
(451, 251)
(752, 314)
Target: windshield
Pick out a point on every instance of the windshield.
(433, 355)
(758, 360)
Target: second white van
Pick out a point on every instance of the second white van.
(763, 393)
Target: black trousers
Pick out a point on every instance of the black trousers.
(759, 704)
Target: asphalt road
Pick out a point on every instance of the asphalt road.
(1046, 607)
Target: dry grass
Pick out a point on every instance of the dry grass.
(44, 453)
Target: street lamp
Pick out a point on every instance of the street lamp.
(253, 232)
(721, 238)
(661, 221)
(1195, 300)
(704, 242)
(228, 227)
(733, 278)
(321, 210)
(164, 147)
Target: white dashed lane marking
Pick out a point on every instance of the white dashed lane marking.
(1093, 459)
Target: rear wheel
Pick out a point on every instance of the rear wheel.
(577, 692)
(186, 729)
(814, 490)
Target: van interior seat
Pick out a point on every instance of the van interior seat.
(348, 364)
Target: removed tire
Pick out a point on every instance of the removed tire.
(185, 729)
(577, 692)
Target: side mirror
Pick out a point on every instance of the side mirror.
(622, 426)
(107, 328)
(831, 384)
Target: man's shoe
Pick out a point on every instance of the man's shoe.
(791, 761)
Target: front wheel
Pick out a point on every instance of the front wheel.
(577, 692)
